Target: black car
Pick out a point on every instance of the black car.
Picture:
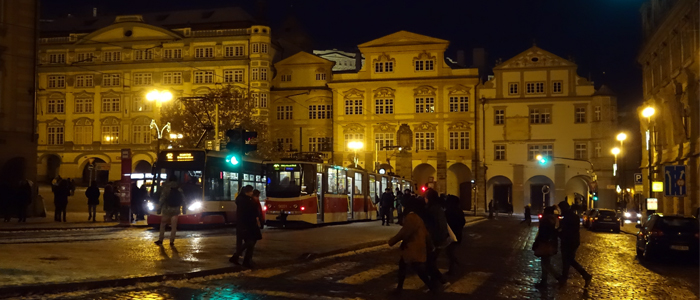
(604, 219)
(668, 236)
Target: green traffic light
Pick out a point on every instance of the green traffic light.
(232, 160)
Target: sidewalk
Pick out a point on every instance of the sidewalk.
(65, 265)
(630, 229)
(75, 220)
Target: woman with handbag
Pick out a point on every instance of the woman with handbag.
(545, 245)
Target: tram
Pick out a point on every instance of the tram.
(317, 193)
(210, 182)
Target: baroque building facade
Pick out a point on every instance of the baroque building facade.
(411, 111)
(94, 74)
(536, 104)
(670, 59)
(18, 24)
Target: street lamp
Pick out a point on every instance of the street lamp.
(615, 151)
(355, 145)
(648, 112)
(159, 96)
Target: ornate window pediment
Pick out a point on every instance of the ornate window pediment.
(109, 121)
(424, 90)
(459, 126)
(384, 92)
(202, 91)
(426, 126)
(423, 56)
(354, 93)
(284, 100)
(57, 96)
(84, 94)
(384, 58)
(110, 94)
(142, 121)
(384, 127)
(319, 99)
(459, 90)
(56, 122)
(83, 122)
(353, 128)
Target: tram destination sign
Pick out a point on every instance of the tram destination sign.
(286, 167)
(183, 156)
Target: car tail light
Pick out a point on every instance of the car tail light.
(265, 208)
(303, 208)
(561, 217)
(657, 233)
(539, 216)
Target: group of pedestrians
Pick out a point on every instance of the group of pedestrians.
(430, 225)
(390, 202)
(249, 218)
(564, 232)
(16, 198)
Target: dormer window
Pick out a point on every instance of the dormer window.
(424, 62)
(384, 64)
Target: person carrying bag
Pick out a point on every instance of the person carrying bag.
(545, 245)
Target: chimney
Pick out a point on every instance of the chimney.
(94, 12)
(460, 59)
(479, 57)
(358, 60)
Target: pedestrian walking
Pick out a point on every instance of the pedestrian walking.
(256, 199)
(491, 209)
(399, 206)
(570, 241)
(247, 226)
(60, 200)
(387, 206)
(455, 219)
(143, 193)
(545, 245)
(108, 199)
(436, 223)
(415, 244)
(171, 199)
(528, 216)
(22, 199)
(93, 195)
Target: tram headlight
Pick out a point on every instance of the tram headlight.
(195, 206)
(150, 206)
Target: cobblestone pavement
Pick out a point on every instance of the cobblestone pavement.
(497, 264)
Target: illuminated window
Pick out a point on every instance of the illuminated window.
(425, 105)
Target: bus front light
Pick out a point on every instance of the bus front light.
(195, 206)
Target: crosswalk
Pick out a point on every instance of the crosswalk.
(354, 273)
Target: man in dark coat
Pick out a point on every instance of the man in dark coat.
(93, 195)
(387, 206)
(22, 199)
(60, 200)
(455, 219)
(247, 226)
(570, 240)
(528, 216)
(436, 224)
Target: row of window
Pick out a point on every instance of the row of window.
(543, 115)
(113, 104)
(547, 150)
(422, 105)
(168, 53)
(83, 134)
(169, 78)
(535, 88)
(458, 140)
(419, 65)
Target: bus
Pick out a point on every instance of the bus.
(318, 193)
(210, 182)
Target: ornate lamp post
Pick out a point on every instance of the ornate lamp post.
(159, 97)
(355, 145)
(648, 112)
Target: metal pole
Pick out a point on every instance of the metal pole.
(216, 128)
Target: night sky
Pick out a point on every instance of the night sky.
(603, 36)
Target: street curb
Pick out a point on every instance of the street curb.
(25, 290)
(69, 228)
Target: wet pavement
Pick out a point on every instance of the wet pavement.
(497, 264)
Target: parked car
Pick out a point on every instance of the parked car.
(667, 236)
(602, 218)
(586, 217)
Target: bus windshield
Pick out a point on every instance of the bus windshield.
(284, 180)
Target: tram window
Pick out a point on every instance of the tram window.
(358, 183)
(372, 187)
(332, 181)
(309, 179)
(384, 184)
(341, 181)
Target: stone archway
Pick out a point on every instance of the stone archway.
(422, 174)
(500, 189)
(91, 172)
(459, 183)
(53, 166)
(142, 166)
(577, 191)
(534, 194)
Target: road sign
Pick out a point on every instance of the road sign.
(637, 178)
(674, 181)
(652, 204)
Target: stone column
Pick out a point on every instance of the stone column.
(404, 164)
(441, 172)
(518, 189)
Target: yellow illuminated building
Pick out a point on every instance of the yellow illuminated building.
(670, 64)
(404, 95)
(94, 74)
(536, 104)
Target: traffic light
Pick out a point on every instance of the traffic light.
(542, 160)
(232, 159)
(241, 141)
(595, 196)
